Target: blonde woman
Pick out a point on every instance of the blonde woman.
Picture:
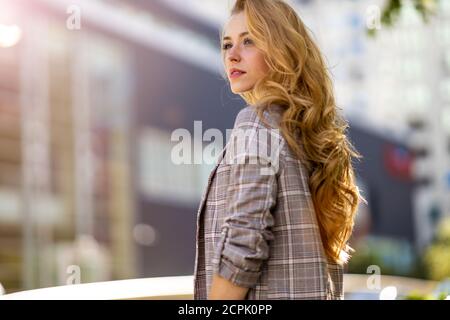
(281, 233)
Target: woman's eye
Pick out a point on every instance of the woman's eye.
(228, 45)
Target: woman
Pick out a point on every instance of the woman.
(282, 234)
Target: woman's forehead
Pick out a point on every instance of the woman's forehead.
(236, 24)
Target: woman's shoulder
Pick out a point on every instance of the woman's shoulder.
(249, 116)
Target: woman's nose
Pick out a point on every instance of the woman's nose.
(233, 54)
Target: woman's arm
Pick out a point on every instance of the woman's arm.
(222, 289)
(251, 194)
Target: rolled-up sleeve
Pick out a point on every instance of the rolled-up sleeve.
(246, 231)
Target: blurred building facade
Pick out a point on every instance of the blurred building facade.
(65, 174)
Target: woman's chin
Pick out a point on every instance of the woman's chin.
(238, 90)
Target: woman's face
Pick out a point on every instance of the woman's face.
(239, 52)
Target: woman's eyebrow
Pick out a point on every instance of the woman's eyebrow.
(240, 36)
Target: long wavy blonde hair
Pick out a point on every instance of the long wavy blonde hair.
(298, 80)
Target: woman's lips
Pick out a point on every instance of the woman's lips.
(236, 74)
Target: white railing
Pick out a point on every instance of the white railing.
(162, 288)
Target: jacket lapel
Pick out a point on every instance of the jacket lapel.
(208, 185)
(200, 209)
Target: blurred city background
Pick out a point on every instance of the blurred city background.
(91, 90)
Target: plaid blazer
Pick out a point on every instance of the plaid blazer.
(259, 229)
